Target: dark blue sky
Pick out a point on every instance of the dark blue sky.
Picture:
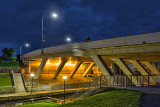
(20, 20)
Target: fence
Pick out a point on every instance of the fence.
(114, 81)
(132, 80)
(85, 91)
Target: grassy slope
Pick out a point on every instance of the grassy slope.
(5, 79)
(112, 98)
(9, 64)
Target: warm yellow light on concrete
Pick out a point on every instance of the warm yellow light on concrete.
(64, 77)
(48, 62)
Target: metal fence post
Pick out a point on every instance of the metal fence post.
(117, 81)
(126, 82)
(131, 80)
(100, 81)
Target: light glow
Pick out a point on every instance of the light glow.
(64, 77)
(68, 39)
(48, 62)
(27, 45)
(54, 15)
(32, 74)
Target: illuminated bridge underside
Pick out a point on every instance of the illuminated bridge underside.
(97, 57)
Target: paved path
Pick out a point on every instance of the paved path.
(25, 95)
(146, 90)
(149, 100)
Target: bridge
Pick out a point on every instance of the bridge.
(134, 57)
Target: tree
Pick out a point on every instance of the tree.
(7, 54)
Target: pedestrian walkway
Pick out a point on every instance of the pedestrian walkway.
(149, 100)
(151, 97)
(146, 90)
(24, 95)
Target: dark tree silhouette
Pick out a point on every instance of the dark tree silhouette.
(7, 54)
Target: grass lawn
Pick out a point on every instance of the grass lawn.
(9, 64)
(111, 98)
(5, 80)
(42, 104)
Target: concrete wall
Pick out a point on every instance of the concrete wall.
(47, 79)
(9, 70)
(58, 87)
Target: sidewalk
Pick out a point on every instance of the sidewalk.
(146, 90)
(149, 100)
(25, 95)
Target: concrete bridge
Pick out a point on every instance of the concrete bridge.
(108, 57)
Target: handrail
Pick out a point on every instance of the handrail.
(23, 79)
(116, 81)
(82, 89)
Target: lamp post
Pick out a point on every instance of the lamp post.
(54, 15)
(64, 77)
(32, 75)
(26, 45)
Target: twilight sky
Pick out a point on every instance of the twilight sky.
(20, 20)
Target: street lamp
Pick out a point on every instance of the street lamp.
(64, 77)
(32, 75)
(54, 15)
(26, 45)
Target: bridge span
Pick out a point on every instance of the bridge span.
(130, 56)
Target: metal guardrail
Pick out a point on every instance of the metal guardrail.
(85, 91)
(89, 89)
(115, 81)
(24, 83)
(127, 80)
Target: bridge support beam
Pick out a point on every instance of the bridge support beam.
(115, 69)
(152, 68)
(63, 62)
(102, 65)
(88, 69)
(41, 67)
(76, 68)
(140, 68)
(125, 69)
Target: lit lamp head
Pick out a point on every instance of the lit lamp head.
(27, 45)
(32, 74)
(64, 77)
(68, 39)
(54, 15)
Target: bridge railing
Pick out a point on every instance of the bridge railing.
(115, 81)
(145, 80)
(92, 87)
(126, 80)
(85, 91)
